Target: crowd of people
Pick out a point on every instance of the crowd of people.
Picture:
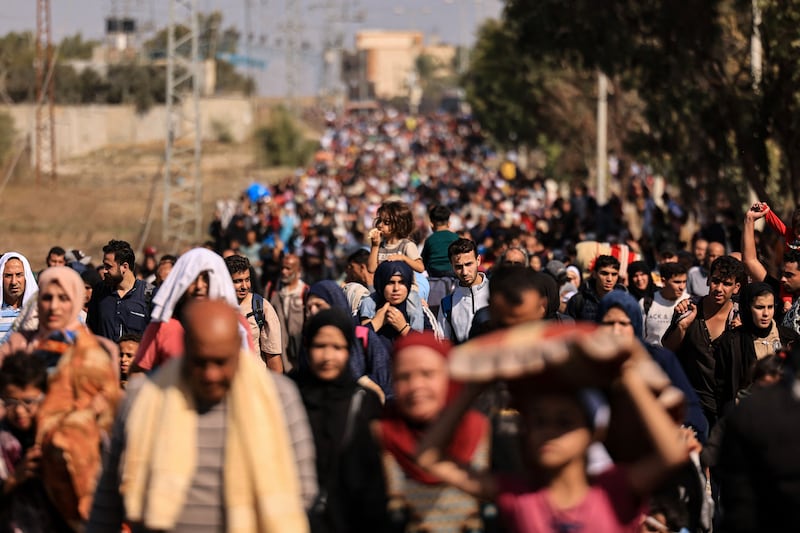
(410, 335)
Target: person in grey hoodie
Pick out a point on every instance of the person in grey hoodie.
(471, 295)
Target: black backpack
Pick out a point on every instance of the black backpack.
(258, 310)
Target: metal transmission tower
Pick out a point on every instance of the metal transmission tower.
(292, 29)
(338, 13)
(45, 139)
(183, 184)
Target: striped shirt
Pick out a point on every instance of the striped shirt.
(7, 316)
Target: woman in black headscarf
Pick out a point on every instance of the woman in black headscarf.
(352, 495)
(738, 349)
(388, 310)
(369, 357)
(640, 281)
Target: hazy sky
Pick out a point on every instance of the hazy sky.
(454, 21)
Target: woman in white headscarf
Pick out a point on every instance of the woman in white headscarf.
(199, 273)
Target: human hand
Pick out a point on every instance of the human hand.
(28, 467)
(685, 313)
(756, 211)
(375, 236)
(396, 318)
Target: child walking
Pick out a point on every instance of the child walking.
(559, 419)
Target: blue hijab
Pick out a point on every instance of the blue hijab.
(627, 303)
(331, 292)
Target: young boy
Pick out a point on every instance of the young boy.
(128, 346)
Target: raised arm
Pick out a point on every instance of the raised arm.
(749, 255)
(431, 450)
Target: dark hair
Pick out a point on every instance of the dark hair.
(22, 370)
(511, 281)
(461, 246)
(796, 219)
(236, 264)
(670, 270)
(56, 250)
(123, 253)
(727, 267)
(771, 365)
(792, 256)
(439, 214)
(400, 218)
(171, 259)
(604, 261)
(130, 337)
(359, 257)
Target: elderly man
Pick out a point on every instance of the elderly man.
(287, 300)
(206, 444)
(17, 288)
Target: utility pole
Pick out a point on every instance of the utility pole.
(183, 183)
(45, 138)
(292, 29)
(602, 133)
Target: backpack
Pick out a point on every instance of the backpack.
(362, 334)
(447, 310)
(257, 304)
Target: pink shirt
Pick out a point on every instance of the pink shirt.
(163, 341)
(610, 506)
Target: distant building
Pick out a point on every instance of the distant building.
(389, 60)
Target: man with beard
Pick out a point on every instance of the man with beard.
(697, 277)
(697, 324)
(17, 288)
(457, 310)
(121, 304)
(287, 299)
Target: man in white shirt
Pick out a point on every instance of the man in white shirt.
(658, 311)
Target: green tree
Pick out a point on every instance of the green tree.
(689, 62)
(282, 143)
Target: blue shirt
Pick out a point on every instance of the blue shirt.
(7, 316)
(112, 317)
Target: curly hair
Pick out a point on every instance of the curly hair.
(727, 267)
(397, 215)
(236, 264)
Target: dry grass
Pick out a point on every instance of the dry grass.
(105, 195)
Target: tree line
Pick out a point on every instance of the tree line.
(687, 97)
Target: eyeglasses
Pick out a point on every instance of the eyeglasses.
(28, 403)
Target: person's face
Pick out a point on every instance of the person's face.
(607, 278)
(211, 364)
(150, 263)
(617, 322)
(790, 278)
(555, 430)
(640, 280)
(720, 289)
(674, 287)
(22, 404)
(384, 224)
(241, 284)
(113, 273)
(328, 353)
(515, 257)
(421, 383)
(504, 314)
(574, 278)
(465, 267)
(315, 304)
(536, 263)
(54, 260)
(162, 272)
(127, 351)
(700, 250)
(395, 291)
(199, 287)
(89, 289)
(55, 308)
(290, 268)
(13, 281)
(763, 310)
(715, 251)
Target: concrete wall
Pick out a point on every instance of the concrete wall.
(84, 129)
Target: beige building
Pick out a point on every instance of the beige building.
(390, 59)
